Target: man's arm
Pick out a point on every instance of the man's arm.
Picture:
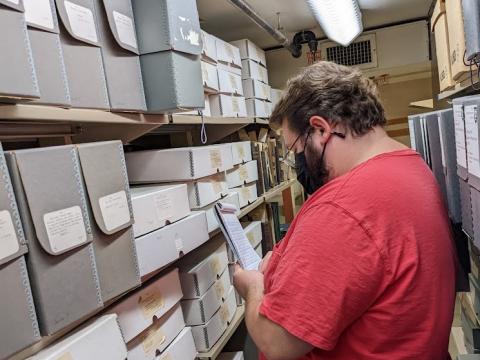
(271, 339)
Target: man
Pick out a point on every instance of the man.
(367, 268)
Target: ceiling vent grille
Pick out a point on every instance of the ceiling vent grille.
(361, 53)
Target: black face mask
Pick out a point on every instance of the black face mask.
(312, 173)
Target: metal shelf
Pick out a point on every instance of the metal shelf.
(218, 347)
(197, 120)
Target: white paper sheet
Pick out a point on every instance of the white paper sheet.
(235, 235)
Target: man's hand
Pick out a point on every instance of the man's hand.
(262, 267)
(247, 281)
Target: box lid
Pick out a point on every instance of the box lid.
(78, 17)
(209, 49)
(105, 176)
(56, 198)
(41, 14)
(122, 24)
(12, 237)
(13, 4)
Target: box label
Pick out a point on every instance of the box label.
(81, 21)
(240, 152)
(115, 211)
(39, 12)
(217, 187)
(178, 243)
(65, 228)
(225, 313)
(153, 339)
(471, 130)
(8, 236)
(216, 159)
(150, 302)
(245, 193)
(163, 206)
(235, 105)
(460, 135)
(125, 29)
(243, 172)
(229, 51)
(215, 265)
(233, 82)
(219, 290)
(66, 356)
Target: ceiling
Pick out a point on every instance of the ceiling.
(224, 20)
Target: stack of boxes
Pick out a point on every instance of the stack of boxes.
(447, 25)
(230, 100)
(208, 303)
(170, 44)
(255, 79)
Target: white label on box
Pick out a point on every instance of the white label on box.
(225, 313)
(125, 29)
(442, 145)
(245, 193)
(81, 21)
(115, 211)
(8, 236)
(150, 302)
(460, 135)
(471, 128)
(235, 105)
(164, 206)
(216, 159)
(39, 12)
(65, 228)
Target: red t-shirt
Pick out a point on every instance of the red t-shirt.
(367, 268)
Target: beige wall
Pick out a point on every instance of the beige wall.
(396, 96)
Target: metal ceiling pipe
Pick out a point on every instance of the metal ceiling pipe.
(256, 18)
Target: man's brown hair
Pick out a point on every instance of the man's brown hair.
(340, 94)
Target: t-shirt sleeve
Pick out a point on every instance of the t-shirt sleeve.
(329, 274)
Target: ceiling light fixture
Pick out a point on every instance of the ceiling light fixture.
(341, 20)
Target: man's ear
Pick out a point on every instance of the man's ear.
(321, 125)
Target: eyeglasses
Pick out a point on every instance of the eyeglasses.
(289, 151)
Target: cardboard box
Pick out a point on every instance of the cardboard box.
(53, 208)
(212, 222)
(182, 348)
(253, 232)
(472, 135)
(228, 54)
(247, 193)
(207, 335)
(43, 32)
(252, 70)
(227, 155)
(205, 191)
(172, 81)
(229, 83)
(209, 48)
(163, 246)
(231, 356)
(200, 311)
(254, 89)
(210, 78)
(248, 50)
(446, 128)
(440, 31)
(111, 214)
(242, 174)
(275, 96)
(177, 164)
(19, 326)
(241, 152)
(101, 339)
(228, 106)
(138, 311)
(157, 337)
(456, 38)
(156, 206)
(118, 39)
(18, 79)
(200, 270)
(460, 138)
(167, 25)
(258, 108)
(80, 43)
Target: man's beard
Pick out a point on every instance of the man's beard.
(316, 167)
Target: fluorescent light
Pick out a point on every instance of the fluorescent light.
(341, 20)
